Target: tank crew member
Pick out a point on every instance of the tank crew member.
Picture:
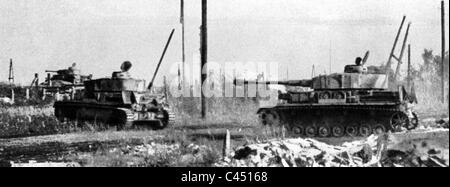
(74, 68)
(357, 68)
(358, 61)
(74, 72)
(123, 74)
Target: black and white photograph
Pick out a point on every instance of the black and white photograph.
(224, 84)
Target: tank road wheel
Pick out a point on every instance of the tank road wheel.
(338, 95)
(271, 118)
(337, 131)
(298, 131)
(379, 129)
(351, 131)
(365, 130)
(310, 131)
(398, 121)
(324, 131)
(324, 95)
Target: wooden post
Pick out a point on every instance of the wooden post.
(227, 144)
(27, 94)
(12, 96)
(165, 87)
(179, 78)
(49, 82)
(44, 92)
(11, 72)
(183, 43)
(36, 76)
(388, 65)
(204, 53)
(409, 67)
(329, 65)
(400, 58)
(287, 75)
(443, 50)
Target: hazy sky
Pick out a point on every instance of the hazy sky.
(100, 34)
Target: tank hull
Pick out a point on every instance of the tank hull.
(120, 115)
(336, 120)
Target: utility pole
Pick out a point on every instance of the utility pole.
(11, 72)
(204, 53)
(409, 67)
(400, 58)
(391, 55)
(183, 42)
(287, 74)
(330, 59)
(443, 51)
(179, 77)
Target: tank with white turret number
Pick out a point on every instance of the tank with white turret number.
(120, 100)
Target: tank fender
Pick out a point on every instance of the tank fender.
(264, 108)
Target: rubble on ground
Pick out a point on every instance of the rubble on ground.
(410, 149)
(176, 154)
(419, 148)
(430, 123)
(443, 122)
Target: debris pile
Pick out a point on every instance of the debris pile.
(432, 123)
(411, 149)
(420, 148)
(302, 153)
(443, 122)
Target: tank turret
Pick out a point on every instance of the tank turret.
(68, 76)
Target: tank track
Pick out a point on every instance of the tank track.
(338, 121)
(172, 117)
(128, 122)
(123, 118)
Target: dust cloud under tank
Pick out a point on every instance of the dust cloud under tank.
(354, 103)
(120, 100)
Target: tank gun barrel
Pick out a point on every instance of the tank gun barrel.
(302, 83)
(51, 71)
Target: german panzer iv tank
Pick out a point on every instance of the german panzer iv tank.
(120, 101)
(64, 79)
(353, 103)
